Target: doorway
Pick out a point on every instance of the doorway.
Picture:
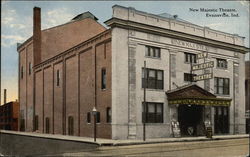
(190, 118)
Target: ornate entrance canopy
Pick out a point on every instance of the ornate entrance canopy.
(192, 94)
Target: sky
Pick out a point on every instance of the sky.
(16, 23)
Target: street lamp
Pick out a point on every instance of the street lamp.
(94, 111)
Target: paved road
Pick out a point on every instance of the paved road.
(221, 148)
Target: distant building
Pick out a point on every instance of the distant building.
(247, 87)
(67, 70)
(9, 114)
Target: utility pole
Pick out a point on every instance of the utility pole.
(0, 78)
(144, 102)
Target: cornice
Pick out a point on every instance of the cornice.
(116, 22)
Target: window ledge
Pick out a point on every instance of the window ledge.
(222, 68)
(153, 57)
(190, 63)
(157, 90)
(154, 123)
(222, 95)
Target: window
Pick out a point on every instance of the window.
(153, 113)
(221, 85)
(221, 63)
(57, 78)
(221, 120)
(98, 117)
(47, 128)
(153, 52)
(153, 80)
(30, 68)
(103, 83)
(88, 117)
(189, 77)
(190, 58)
(70, 125)
(36, 123)
(108, 114)
(22, 125)
(21, 72)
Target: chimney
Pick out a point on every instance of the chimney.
(4, 96)
(37, 35)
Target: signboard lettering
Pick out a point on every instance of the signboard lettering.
(202, 55)
(203, 66)
(189, 45)
(203, 77)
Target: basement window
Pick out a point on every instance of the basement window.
(47, 126)
(108, 112)
(36, 123)
(88, 117)
(98, 117)
(70, 125)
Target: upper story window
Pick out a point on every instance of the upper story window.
(221, 63)
(21, 73)
(30, 68)
(57, 78)
(153, 113)
(221, 86)
(190, 57)
(153, 52)
(153, 79)
(189, 77)
(104, 79)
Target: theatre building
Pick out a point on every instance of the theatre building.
(156, 70)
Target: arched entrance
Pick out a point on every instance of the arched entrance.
(190, 118)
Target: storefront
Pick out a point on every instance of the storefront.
(193, 107)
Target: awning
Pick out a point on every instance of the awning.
(192, 94)
(200, 101)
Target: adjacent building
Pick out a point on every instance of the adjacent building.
(140, 70)
(247, 92)
(9, 114)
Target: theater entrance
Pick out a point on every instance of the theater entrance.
(190, 118)
(193, 106)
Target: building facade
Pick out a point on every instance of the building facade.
(60, 74)
(169, 45)
(9, 114)
(65, 71)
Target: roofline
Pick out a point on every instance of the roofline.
(73, 48)
(186, 22)
(117, 22)
(30, 38)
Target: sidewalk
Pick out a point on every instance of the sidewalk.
(109, 142)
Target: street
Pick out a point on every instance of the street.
(221, 148)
